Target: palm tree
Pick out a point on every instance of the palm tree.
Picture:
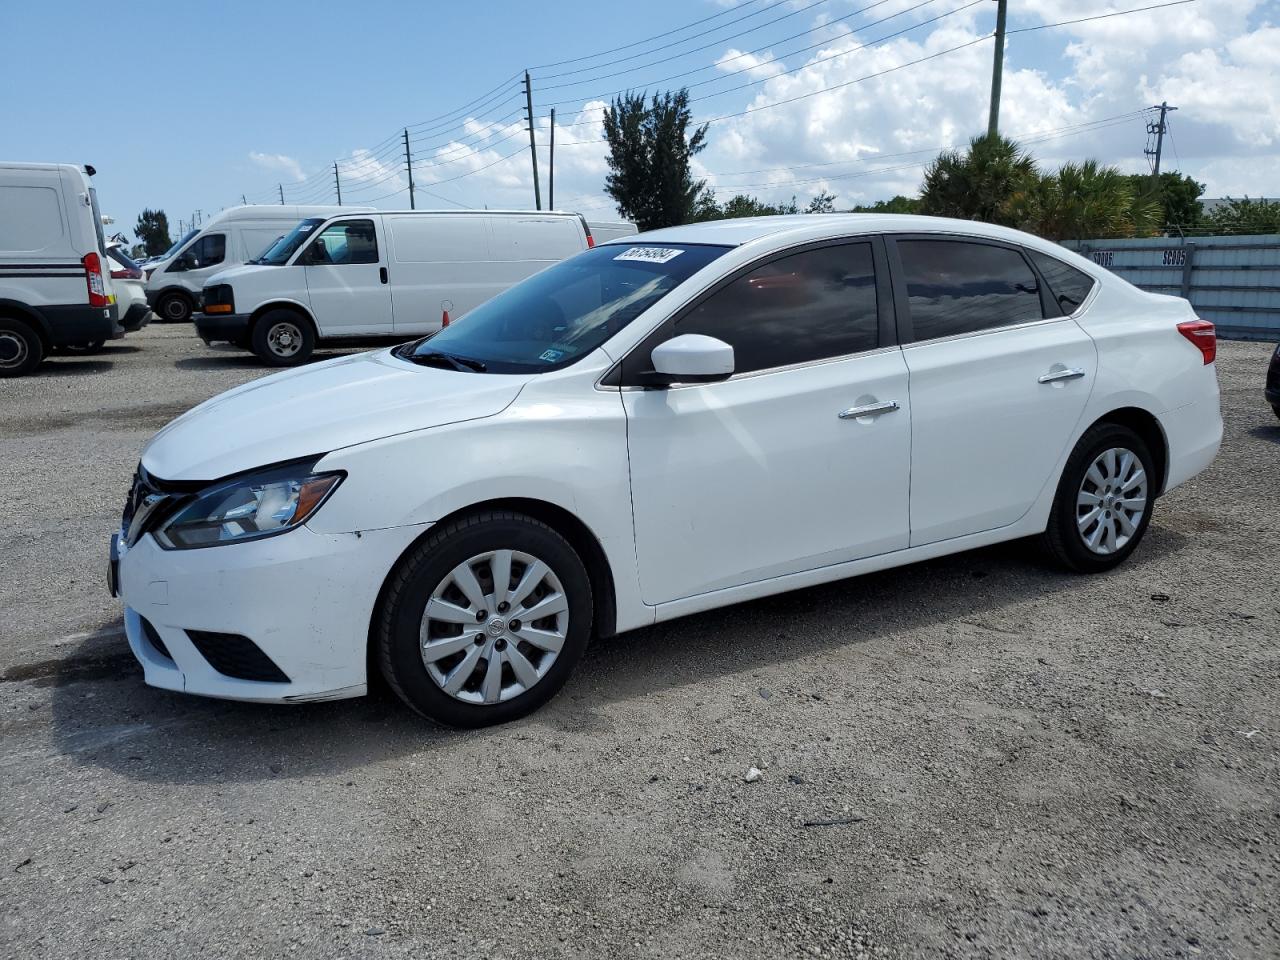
(977, 184)
(1082, 201)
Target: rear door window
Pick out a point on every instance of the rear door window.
(813, 305)
(960, 286)
(1068, 287)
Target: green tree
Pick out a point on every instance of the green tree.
(1244, 216)
(898, 204)
(1081, 201)
(1178, 196)
(649, 152)
(743, 205)
(822, 203)
(978, 183)
(153, 230)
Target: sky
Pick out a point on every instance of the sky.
(190, 107)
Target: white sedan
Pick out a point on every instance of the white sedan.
(667, 423)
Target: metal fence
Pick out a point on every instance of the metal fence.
(1233, 281)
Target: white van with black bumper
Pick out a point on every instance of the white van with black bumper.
(380, 274)
(55, 280)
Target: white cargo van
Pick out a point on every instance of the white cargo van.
(55, 280)
(605, 230)
(236, 235)
(401, 274)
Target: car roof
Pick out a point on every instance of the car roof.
(796, 228)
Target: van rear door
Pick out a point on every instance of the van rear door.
(346, 270)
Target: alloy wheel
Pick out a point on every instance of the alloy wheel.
(494, 626)
(1111, 501)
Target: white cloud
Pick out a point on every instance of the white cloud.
(278, 162)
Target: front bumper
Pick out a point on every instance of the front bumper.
(221, 326)
(304, 599)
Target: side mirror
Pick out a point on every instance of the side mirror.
(691, 358)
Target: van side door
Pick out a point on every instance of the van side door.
(347, 282)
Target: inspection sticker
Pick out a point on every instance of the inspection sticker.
(649, 254)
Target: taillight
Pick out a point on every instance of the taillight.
(97, 288)
(124, 273)
(591, 242)
(1203, 335)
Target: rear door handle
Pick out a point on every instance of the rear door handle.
(1055, 376)
(382, 274)
(869, 410)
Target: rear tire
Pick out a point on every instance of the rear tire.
(174, 308)
(21, 349)
(455, 638)
(1104, 500)
(282, 338)
(1276, 410)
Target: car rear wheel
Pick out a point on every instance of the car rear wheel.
(174, 308)
(1104, 500)
(20, 348)
(282, 338)
(484, 620)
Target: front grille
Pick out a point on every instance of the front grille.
(150, 502)
(235, 656)
(153, 638)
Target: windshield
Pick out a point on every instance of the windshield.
(563, 313)
(278, 254)
(177, 246)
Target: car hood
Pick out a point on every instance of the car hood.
(239, 272)
(320, 408)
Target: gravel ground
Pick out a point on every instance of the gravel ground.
(972, 757)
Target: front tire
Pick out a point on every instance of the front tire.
(21, 349)
(1104, 500)
(174, 308)
(282, 338)
(484, 620)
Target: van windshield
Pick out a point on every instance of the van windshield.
(558, 316)
(278, 254)
(178, 246)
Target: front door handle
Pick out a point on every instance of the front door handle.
(869, 410)
(1056, 376)
(382, 274)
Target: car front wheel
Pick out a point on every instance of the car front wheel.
(484, 620)
(1104, 500)
(283, 339)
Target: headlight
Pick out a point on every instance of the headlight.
(249, 508)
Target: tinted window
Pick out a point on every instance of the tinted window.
(958, 287)
(1067, 286)
(808, 306)
(564, 312)
(209, 249)
(351, 241)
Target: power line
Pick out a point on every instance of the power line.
(1100, 16)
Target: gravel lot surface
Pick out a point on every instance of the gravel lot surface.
(973, 757)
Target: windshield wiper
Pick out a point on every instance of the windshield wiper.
(436, 358)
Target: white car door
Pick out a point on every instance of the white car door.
(998, 382)
(347, 281)
(798, 461)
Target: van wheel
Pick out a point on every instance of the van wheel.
(281, 338)
(174, 308)
(484, 620)
(20, 348)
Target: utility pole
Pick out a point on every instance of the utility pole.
(199, 217)
(551, 167)
(408, 163)
(243, 201)
(281, 187)
(997, 69)
(1158, 128)
(336, 182)
(533, 149)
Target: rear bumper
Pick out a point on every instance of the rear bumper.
(221, 326)
(1194, 434)
(136, 317)
(76, 323)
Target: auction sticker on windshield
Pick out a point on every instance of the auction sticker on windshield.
(649, 254)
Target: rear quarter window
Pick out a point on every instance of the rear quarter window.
(1068, 287)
